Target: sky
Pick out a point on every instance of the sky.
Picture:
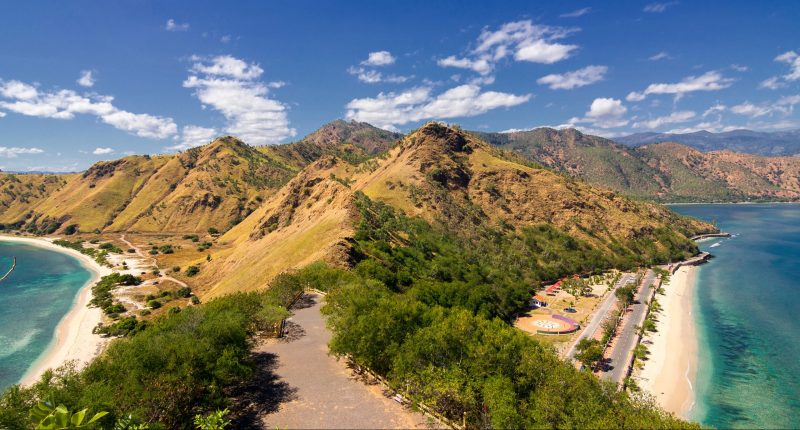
(84, 81)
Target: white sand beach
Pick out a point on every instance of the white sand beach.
(73, 338)
(670, 372)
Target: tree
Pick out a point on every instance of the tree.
(213, 421)
(590, 351)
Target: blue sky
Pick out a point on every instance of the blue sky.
(84, 81)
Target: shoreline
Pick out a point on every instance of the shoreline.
(670, 373)
(73, 339)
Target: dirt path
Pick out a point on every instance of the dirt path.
(314, 390)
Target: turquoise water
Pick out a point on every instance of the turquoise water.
(33, 300)
(747, 304)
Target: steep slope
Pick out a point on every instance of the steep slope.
(19, 192)
(452, 180)
(308, 220)
(665, 172)
(747, 141)
(216, 185)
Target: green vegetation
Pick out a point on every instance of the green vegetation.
(192, 271)
(110, 247)
(101, 292)
(98, 255)
(429, 310)
(590, 351)
(177, 367)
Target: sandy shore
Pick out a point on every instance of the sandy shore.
(73, 338)
(669, 374)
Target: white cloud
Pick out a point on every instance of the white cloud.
(27, 100)
(793, 60)
(576, 13)
(606, 113)
(523, 40)
(578, 78)
(373, 76)
(14, 152)
(717, 108)
(193, 135)
(709, 81)
(86, 79)
(102, 151)
(540, 51)
(751, 110)
(388, 110)
(227, 66)
(480, 66)
(2, 114)
(230, 86)
(379, 58)
(672, 118)
(660, 56)
(772, 83)
(226, 38)
(171, 25)
(739, 68)
(658, 7)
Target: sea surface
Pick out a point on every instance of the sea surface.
(33, 299)
(747, 310)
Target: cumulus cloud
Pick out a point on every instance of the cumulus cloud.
(102, 151)
(193, 135)
(86, 79)
(2, 114)
(576, 13)
(709, 81)
(379, 58)
(523, 40)
(171, 25)
(674, 117)
(27, 100)
(14, 152)
(607, 113)
(578, 78)
(658, 7)
(793, 60)
(232, 87)
(388, 110)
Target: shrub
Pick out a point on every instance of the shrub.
(192, 271)
(154, 304)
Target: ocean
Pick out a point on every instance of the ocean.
(747, 304)
(33, 299)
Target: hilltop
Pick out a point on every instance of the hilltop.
(666, 171)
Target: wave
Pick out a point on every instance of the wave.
(715, 245)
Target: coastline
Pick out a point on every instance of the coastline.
(670, 372)
(73, 339)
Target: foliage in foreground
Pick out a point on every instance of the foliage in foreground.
(178, 367)
(429, 310)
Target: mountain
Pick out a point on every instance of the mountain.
(747, 141)
(448, 179)
(666, 171)
(216, 185)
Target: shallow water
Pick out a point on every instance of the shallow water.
(33, 299)
(747, 302)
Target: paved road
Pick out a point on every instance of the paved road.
(628, 336)
(601, 313)
(318, 390)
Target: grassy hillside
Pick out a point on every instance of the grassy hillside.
(664, 172)
(449, 179)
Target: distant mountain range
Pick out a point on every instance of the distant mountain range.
(746, 141)
(666, 171)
